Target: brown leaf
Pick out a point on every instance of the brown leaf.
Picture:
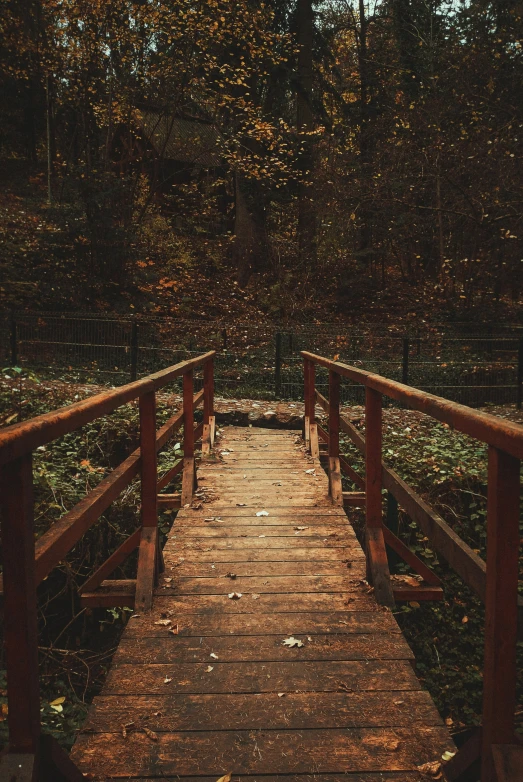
(431, 770)
(151, 734)
(392, 745)
(226, 778)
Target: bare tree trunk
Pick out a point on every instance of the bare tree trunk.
(307, 218)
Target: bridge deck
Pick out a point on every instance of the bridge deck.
(205, 685)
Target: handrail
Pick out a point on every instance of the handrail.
(25, 564)
(488, 428)
(19, 439)
(496, 581)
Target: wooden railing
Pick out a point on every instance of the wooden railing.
(495, 582)
(32, 755)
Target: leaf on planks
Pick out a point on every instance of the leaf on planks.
(291, 642)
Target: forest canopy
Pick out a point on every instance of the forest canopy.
(351, 146)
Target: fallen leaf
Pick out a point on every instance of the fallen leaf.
(167, 680)
(300, 529)
(151, 734)
(464, 620)
(281, 695)
(447, 755)
(209, 669)
(255, 597)
(226, 778)
(262, 513)
(230, 575)
(311, 472)
(56, 705)
(173, 630)
(414, 604)
(211, 518)
(262, 536)
(214, 656)
(234, 595)
(291, 642)
(432, 770)
(240, 504)
(163, 622)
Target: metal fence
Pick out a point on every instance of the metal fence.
(470, 364)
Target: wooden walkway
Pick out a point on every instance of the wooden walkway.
(205, 686)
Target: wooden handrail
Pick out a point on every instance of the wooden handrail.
(495, 581)
(19, 439)
(26, 565)
(488, 428)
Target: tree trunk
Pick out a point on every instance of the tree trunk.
(307, 219)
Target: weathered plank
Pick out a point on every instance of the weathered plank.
(244, 752)
(145, 650)
(299, 711)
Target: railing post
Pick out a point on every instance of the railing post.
(277, 365)
(188, 480)
(134, 350)
(13, 340)
(519, 397)
(335, 488)
(306, 399)
(499, 675)
(313, 430)
(21, 636)
(149, 544)
(377, 564)
(405, 362)
(208, 408)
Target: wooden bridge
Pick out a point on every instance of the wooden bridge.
(263, 644)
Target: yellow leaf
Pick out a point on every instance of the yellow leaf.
(57, 701)
(226, 778)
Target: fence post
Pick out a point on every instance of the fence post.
(134, 350)
(519, 397)
(306, 400)
(149, 544)
(277, 365)
(335, 488)
(189, 474)
(501, 610)
(21, 636)
(405, 362)
(13, 340)
(377, 563)
(208, 408)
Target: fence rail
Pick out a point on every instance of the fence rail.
(466, 364)
(495, 582)
(31, 755)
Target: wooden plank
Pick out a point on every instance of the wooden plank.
(169, 648)
(223, 530)
(351, 473)
(184, 569)
(216, 544)
(335, 489)
(166, 479)
(259, 585)
(291, 521)
(116, 559)
(508, 762)
(410, 558)
(289, 510)
(19, 607)
(315, 448)
(403, 776)
(304, 622)
(206, 440)
(212, 422)
(354, 498)
(501, 613)
(146, 569)
(406, 593)
(264, 554)
(279, 603)
(188, 479)
(297, 711)
(285, 752)
(378, 568)
(169, 501)
(243, 677)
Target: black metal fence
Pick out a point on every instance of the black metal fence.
(470, 364)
